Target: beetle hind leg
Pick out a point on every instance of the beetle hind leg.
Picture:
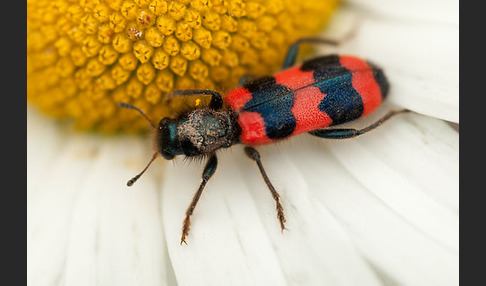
(345, 133)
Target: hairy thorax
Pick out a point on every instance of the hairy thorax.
(202, 131)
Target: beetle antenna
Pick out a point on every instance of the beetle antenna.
(134, 179)
(126, 105)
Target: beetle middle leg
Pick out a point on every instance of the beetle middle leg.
(253, 154)
(291, 56)
(209, 170)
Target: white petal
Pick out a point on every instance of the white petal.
(420, 58)
(227, 243)
(49, 210)
(356, 209)
(40, 153)
(406, 217)
(115, 229)
(235, 236)
(438, 11)
(84, 225)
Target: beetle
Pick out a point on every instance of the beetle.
(320, 93)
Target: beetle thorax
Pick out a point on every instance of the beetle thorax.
(202, 131)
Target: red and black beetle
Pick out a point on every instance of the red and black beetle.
(322, 92)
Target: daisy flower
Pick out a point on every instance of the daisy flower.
(379, 209)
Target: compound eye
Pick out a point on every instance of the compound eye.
(167, 143)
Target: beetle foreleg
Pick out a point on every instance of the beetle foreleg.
(209, 170)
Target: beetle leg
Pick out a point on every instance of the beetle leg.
(209, 170)
(294, 48)
(344, 133)
(253, 154)
(216, 98)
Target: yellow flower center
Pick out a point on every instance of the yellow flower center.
(85, 56)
